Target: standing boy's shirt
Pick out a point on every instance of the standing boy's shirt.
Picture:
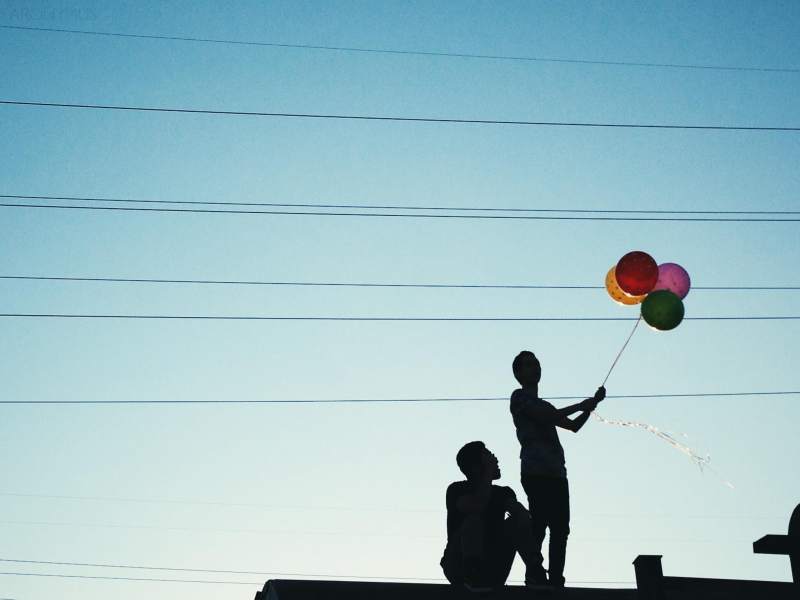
(541, 452)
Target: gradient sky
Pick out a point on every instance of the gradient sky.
(358, 490)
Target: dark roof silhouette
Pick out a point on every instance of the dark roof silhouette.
(287, 589)
(651, 584)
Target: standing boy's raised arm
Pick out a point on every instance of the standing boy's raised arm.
(544, 413)
(590, 404)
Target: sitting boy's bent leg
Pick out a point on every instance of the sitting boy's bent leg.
(519, 529)
(500, 558)
(465, 560)
(472, 536)
(452, 565)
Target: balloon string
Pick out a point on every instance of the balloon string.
(625, 345)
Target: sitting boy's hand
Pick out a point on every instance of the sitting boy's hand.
(600, 394)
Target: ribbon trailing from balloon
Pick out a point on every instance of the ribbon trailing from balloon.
(702, 461)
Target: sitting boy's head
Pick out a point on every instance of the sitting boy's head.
(526, 367)
(476, 461)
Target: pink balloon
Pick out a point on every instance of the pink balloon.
(674, 278)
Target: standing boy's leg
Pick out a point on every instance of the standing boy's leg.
(559, 529)
(535, 572)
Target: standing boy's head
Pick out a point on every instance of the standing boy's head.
(477, 462)
(527, 369)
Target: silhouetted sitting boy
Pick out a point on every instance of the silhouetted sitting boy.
(544, 473)
(481, 540)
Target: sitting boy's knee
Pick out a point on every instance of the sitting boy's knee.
(517, 523)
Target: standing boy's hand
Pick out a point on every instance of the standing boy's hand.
(590, 404)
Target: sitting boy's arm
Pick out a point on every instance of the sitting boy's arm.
(516, 509)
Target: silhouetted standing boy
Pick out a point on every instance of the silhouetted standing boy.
(481, 540)
(544, 473)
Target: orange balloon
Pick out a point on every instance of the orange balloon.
(616, 292)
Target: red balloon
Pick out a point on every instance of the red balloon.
(637, 273)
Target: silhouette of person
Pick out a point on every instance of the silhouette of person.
(543, 468)
(481, 540)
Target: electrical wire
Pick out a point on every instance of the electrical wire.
(400, 207)
(363, 509)
(356, 534)
(450, 120)
(285, 532)
(376, 319)
(495, 57)
(259, 583)
(185, 570)
(119, 578)
(232, 572)
(373, 285)
(214, 571)
(400, 400)
(293, 507)
(401, 215)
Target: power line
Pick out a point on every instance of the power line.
(370, 285)
(449, 120)
(231, 572)
(403, 215)
(214, 571)
(333, 401)
(496, 57)
(361, 509)
(260, 583)
(285, 532)
(294, 507)
(405, 535)
(310, 283)
(376, 319)
(400, 207)
(119, 578)
(400, 400)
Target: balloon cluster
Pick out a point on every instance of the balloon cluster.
(660, 289)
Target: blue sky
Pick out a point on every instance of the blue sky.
(359, 490)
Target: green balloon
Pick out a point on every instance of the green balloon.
(662, 310)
